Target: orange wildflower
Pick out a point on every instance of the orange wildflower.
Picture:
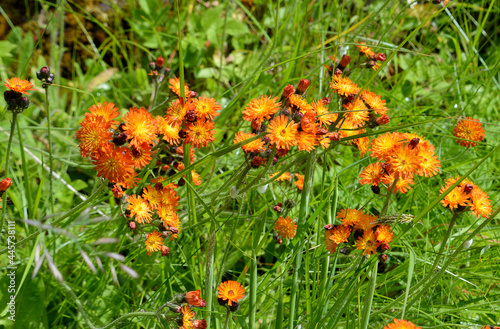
(168, 129)
(383, 146)
(307, 141)
(429, 163)
(401, 324)
(139, 208)
(107, 110)
(350, 217)
(206, 108)
(340, 233)
(200, 134)
(187, 318)
(286, 227)
(481, 205)
(286, 176)
(344, 86)
(357, 112)
(19, 85)
(362, 144)
(255, 146)
(471, 129)
(329, 244)
(403, 184)
(154, 242)
(300, 182)
(261, 108)
(367, 242)
(322, 112)
(404, 161)
(371, 174)
(152, 195)
(175, 86)
(298, 102)
(231, 291)
(365, 50)
(142, 156)
(140, 127)
(365, 222)
(384, 234)
(114, 164)
(177, 111)
(93, 134)
(374, 102)
(282, 133)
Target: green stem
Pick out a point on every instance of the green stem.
(209, 273)
(228, 316)
(47, 105)
(390, 191)
(253, 288)
(7, 162)
(304, 204)
(369, 297)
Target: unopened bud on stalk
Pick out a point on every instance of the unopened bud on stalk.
(256, 125)
(173, 230)
(335, 137)
(120, 138)
(329, 227)
(375, 189)
(468, 188)
(380, 57)
(345, 251)
(326, 100)
(159, 61)
(383, 120)
(45, 76)
(383, 257)
(277, 208)
(303, 85)
(5, 184)
(287, 92)
(132, 225)
(234, 307)
(386, 246)
(344, 62)
(165, 251)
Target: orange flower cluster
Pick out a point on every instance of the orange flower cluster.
(401, 324)
(400, 156)
(286, 227)
(358, 230)
(466, 195)
(120, 150)
(188, 321)
(470, 129)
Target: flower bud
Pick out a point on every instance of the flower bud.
(285, 112)
(279, 240)
(45, 76)
(303, 85)
(181, 182)
(173, 230)
(335, 137)
(234, 307)
(375, 189)
(287, 92)
(11, 97)
(277, 208)
(385, 246)
(182, 134)
(190, 115)
(321, 132)
(358, 233)
(383, 120)
(256, 125)
(5, 184)
(165, 251)
(383, 257)
(120, 138)
(345, 251)
(222, 301)
(343, 62)
(380, 57)
(193, 298)
(159, 61)
(414, 142)
(281, 152)
(326, 100)
(200, 324)
(132, 225)
(468, 188)
(329, 227)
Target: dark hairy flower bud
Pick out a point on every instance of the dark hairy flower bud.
(383, 257)
(468, 188)
(375, 189)
(345, 251)
(190, 115)
(277, 208)
(121, 127)
(279, 240)
(221, 301)
(173, 230)
(326, 100)
(120, 138)
(181, 182)
(386, 246)
(414, 142)
(182, 134)
(132, 225)
(343, 62)
(234, 307)
(165, 250)
(45, 76)
(358, 233)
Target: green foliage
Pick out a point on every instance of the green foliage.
(442, 64)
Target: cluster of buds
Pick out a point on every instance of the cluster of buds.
(16, 102)
(185, 317)
(45, 76)
(158, 70)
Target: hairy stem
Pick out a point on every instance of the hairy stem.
(7, 161)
